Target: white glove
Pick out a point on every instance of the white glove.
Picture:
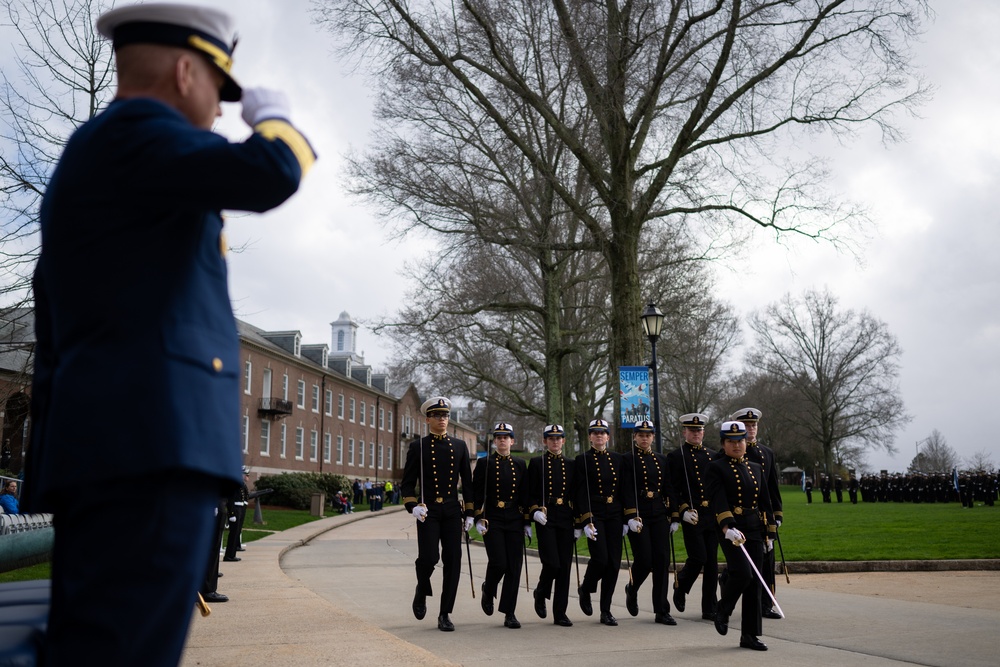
(674, 527)
(624, 529)
(262, 103)
(634, 525)
(527, 532)
(468, 524)
(691, 517)
(539, 517)
(777, 522)
(420, 512)
(577, 532)
(735, 536)
(768, 545)
(591, 531)
(481, 528)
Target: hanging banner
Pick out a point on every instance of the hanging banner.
(633, 387)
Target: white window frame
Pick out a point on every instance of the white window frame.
(300, 395)
(328, 403)
(327, 445)
(284, 387)
(265, 437)
(351, 411)
(284, 440)
(371, 455)
(315, 399)
(340, 406)
(248, 377)
(363, 413)
(246, 434)
(313, 445)
(350, 452)
(300, 443)
(340, 450)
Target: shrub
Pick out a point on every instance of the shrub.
(295, 490)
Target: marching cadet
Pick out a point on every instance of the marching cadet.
(438, 463)
(647, 509)
(738, 494)
(501, 492)
(550, 481)
(763, 456)
(598, 476)
(687, 466)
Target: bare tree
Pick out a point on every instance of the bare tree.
(843, 365)
(980, 462)
(935, 456)
(59, 79)
(668, 109)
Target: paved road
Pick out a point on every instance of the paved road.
(364, 571)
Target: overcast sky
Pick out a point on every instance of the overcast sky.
(930, 271)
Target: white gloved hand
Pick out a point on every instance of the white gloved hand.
(635, 525)
(591, 531)
(481, 528)
(777, 522)
(539, 517)
(624, 529)
(232, 519)
(527, 532)
(735, 536)
(691, 517)
(420, 512)
(674, 527)
(768, 545)
(468, 524)
(577, 532)
(263, 103)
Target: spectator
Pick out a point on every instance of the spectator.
(357, 491)
(8, 497)
(342, 504)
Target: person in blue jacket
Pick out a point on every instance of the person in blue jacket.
(133, 314)
(8, 497)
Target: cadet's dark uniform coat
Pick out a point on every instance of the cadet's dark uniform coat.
(598, 477)
(550, 483)
(501, 485)
(647, 496)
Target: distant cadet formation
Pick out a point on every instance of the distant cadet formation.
(629, 504)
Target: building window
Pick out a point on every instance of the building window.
(364, 413)
(350, 451)
(390, 421)
(247, 374)
(361, 454)
(284, 387)
(372, 414)
(265, 437)
(380, 457)
(340, 406)
(300, 436)
(350, 414)
(340, 341)
(301, 395)
(246, 434)
(340, 450)
(313, 445)
(381, 419)
(371, 454)
(315, 398)
(328, 403)
(326, 448)
(284, 438)
(389, 454)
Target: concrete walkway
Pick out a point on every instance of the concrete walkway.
(317, 596)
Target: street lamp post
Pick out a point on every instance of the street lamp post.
(652, 325)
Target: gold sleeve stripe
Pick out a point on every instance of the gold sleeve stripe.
(276, 128)
(722, 516)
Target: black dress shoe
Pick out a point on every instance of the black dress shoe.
(679, 599)
(215, 597)
(631, 600)
(510, 621)
(540, 603)
(721, 623)
(770, 613)
(608, 619)
(445, 624)
(585, 605)
(486, 601)
(751, 642)
(419, 605)
(563, 621)
(234, 559)
(665, 619)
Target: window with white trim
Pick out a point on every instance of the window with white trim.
(315, 399)
(247, 376)
(340, 450)
(265, 437)
(363, 413)
(284, 439)
(350, 452)
(328, 403)
(313, 445)
(301, 395)
(340, 406)
(300, 436)
(350, 414)
(246, 434)
(326, 447)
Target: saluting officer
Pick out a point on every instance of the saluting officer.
(688, 466)
(550, 481)
(763, 456)
(739, 501)
(438, 463)
(647, 509)
(598, 475)
(501, 485)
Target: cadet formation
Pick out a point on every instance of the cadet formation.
(627, 505)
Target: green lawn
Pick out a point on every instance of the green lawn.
(866, 531)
